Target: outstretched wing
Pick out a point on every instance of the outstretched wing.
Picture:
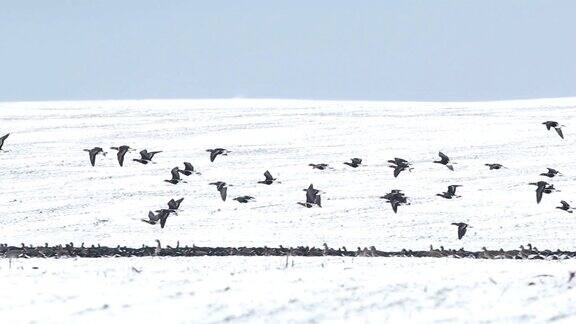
(121, 152)
(565, 204)
(268, 176)
(213, 155)
(93, 156)
(394, 204)
(444, 158)
(188, 166)
(461, 231)
(2, 139)
(397, 170)
(539, 192)
(559, 131)
(223, 191)
(172, 204)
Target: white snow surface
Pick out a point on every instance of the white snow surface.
(264, 290)
(50, 193)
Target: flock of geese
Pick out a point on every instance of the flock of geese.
(395, 197)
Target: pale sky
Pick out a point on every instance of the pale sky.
(351, 50)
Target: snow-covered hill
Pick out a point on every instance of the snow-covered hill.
(50, 193)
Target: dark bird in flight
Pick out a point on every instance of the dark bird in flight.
(552, 124)
(542, 187)
(188, 169)
(93, 152)
(269, 179)
(222, 188)
(451, 193)
(551, 173)
(354, 162)
(461, 229)
(146, 157)
(319, 166)
(152, 218)
(2, 139)
(122, 150)
(175, 204)
(217, 151)
(494, 166)
(565, 206)
(395, 198)
(444, 159)
(161, 215)
(175, 176)
(312, 197)
(243, 199)
(399, 165)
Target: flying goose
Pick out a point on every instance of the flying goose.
(222, 188)
(552, 124)
(269, 179)
(2, 139)
(461, 229)
(319, 166)
(188, 169)
(217, 151)
(565, 206)
(399, 165)
(93, 152)
(312, 197)
(354, 162)
(444, 159)
(494, 166)
(152, 218)
(243, 199)
(450, 193)
(542, 186)
(175, 176)
(551, 173)
(174, 204)
(122, 150)
(146, 157)
(395, 198)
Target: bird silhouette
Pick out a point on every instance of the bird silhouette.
(565, 206)
(399, 165)
(461, 229)
(542, 187)
(494, 166)
(188, 169)
(269, 179)
(146, 157)
(93, 152)
(122, 150)
(551, 173)
(175, 176)
(444, 159)
(557, 127)
(243, 199)
(217, 151)
(222, 188)
(175, 204)
(451, 193)
(354, 162)
(319, 166)
(312, 197)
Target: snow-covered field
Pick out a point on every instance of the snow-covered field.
(263, 290)
(50, 193)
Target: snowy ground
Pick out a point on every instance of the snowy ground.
(50, 193)
(262, 289)
(53, 195)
